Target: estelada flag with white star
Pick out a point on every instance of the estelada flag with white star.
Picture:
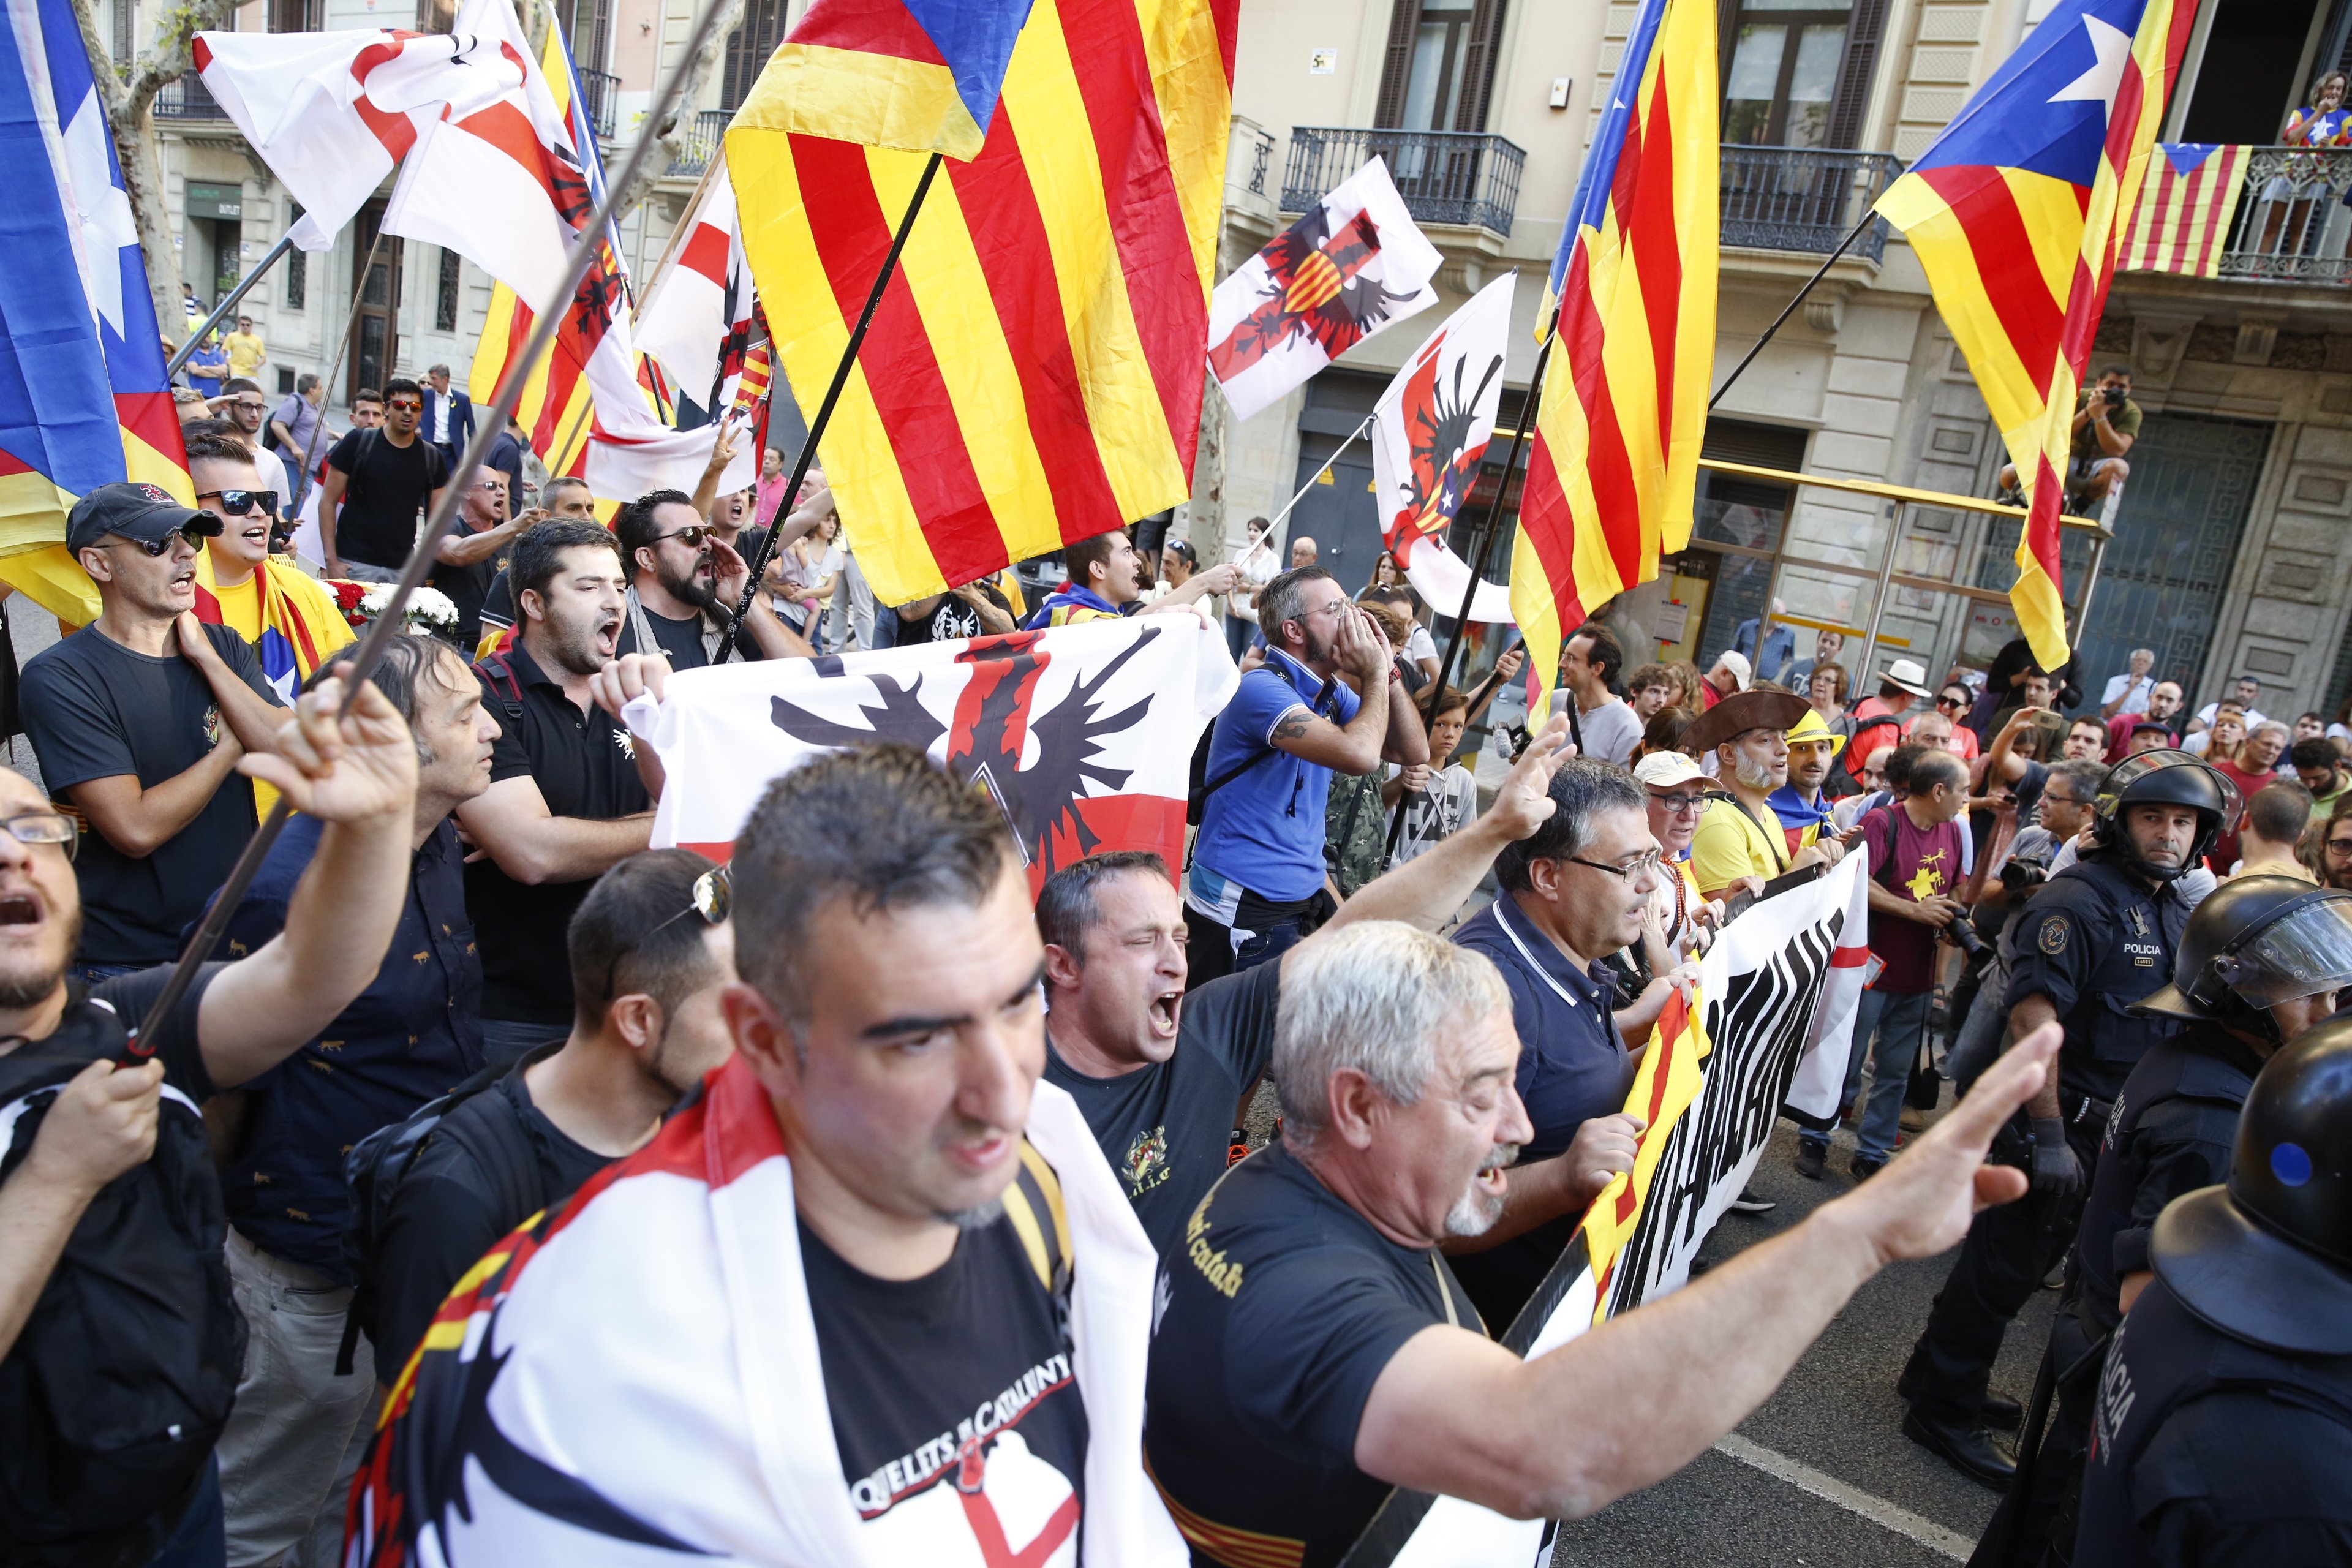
(1082, 735)
(2017, 212)
(83, 399)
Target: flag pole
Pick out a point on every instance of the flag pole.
(351, 326)
(1869, 213)
(187, 350)
(370, 652)
(765, 549)
(1492, 526)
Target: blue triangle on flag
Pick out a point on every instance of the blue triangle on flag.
(2185, 156)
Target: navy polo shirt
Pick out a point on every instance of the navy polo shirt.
(1573, 1065)
(413, 1034)
(1263, 829)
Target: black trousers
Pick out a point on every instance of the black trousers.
(2046, 1509)
(2001, 1263)
(1260, 930)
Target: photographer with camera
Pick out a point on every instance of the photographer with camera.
(1915, 850)
(2106, 424)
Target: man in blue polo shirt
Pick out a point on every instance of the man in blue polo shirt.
(1257, 876)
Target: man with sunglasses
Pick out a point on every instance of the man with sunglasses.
(243, 403)
(139, 719)
(378, 480)
(684, 582)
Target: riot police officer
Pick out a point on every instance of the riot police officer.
(2221, 1434)
(2260, 961)
(2097, 937)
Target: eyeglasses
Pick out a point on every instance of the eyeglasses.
(2340, 847)
(1679, 805)
(1949, 702)
(401, 404)
(244, 503)
(254, 406)
(691, 536)
(1648, 862)
(44, 828)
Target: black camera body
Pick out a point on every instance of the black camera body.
(2113, 394)
(2017, 876)
(1962, 932)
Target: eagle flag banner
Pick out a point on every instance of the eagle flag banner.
(1764, 1036)
(1083, 735)
(923, 76)
(1032, 375)
(2016, 212)
(696, 319)
(83, 399)
(2182, 222)
(593, 1389)
(1613, 468)
(1429, 433)
(1354, 264)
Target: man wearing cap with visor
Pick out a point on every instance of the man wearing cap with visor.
(1679, 914)
(2261, 962)
(1802, 808)
(1730, 676)
(139, 719)
(1739, 836)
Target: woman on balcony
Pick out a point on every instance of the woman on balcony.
(2294, 210)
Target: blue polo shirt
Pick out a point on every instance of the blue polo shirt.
(1263, 831)
(1572, 1065)
(415, 1033)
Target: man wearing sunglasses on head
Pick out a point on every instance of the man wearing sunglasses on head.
(139, 719)
(377, 481)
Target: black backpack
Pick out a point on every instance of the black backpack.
(114, 1393)
(478, 1119)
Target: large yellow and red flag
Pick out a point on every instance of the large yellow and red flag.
(1622, 407)
(2016, 212)
(1032, 375)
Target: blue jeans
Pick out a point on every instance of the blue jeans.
(1894, 1019)
(201, 1540)
(505, 1042)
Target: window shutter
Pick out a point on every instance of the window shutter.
(1396, 66)
(1478, 65)
(1861, 63)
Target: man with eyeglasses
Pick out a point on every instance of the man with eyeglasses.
(1739, 838)
(2335, 852)
(244, 403)
(139, 719)
(378, 481)
(471, 555)
(684, 581)
(247, 352)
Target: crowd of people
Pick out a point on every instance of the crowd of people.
(962, 1183)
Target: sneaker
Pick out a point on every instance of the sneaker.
(1914, 1120)
(1748, 1203)
(1812, 1159)
(2056, 1278)
(2010, 495)
(1864, 1169)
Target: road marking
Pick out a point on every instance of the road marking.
(1853, 1499)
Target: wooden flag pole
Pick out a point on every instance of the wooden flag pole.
(764, 550)
(388, 625)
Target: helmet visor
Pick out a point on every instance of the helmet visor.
(2305, 951)
(2133, 769)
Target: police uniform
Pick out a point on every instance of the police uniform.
(2094, 939)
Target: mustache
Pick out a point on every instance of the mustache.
(1498, 1158)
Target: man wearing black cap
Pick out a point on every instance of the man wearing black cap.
(139, 719)
(2223, 1431)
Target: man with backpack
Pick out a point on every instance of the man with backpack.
(413, 1034)
(119, 1342)
(650, 953)
(377, 480)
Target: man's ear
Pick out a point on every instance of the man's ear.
(1061, 967)
(94, 562)
(1543, 878)
(638, 1019)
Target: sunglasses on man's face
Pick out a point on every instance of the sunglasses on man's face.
(203, 525)
(1949, 702)
(402, 406)
(691, 535)
(243, 503)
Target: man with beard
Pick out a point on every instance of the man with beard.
(1313, 1348)
(1803, 809)
(2164, 701)
(1740, 836)
(684, 581)
(472, 554)
(566, 803)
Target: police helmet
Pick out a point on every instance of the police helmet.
(2253, 942)
(2165, 778)
(2268, 1257)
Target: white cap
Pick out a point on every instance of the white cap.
(1664, 770)
(1740, 669)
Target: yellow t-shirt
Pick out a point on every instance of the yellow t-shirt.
(240, 608)
(246, 353)
(1729, 846)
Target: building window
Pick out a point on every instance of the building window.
(1440, 66)
(587, 25)
(122, 40)
(1784, 80)
(298, 265)
(748, 49)
(445, 299)
(293, 15)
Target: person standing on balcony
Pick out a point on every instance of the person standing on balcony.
(2298, 193)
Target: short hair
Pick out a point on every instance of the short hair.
(436, 370)
(370, 394)
(563, 482)
(1607, 654)
(2083, 778)
(399, 384)
(1839, 679)
(405, 665)
(624, 939)
(1645, 675)
(1067, 908)
(2279, 811)
(2254, 681)
(2318, 751)
(305, 381)
(2231, 703)
(879, 826)
(2094, 720)
(539, 554)
(1285, 597)
(1374, 997)
(1931, 768)
(1433, 699)
(634, 523)
(1900, 762)
(1080, 556)
(2121, 370)
(1579, 792)
(240, 383)
(199, 440)
(2312, 713)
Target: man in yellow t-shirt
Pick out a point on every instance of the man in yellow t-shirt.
(247, 352)
(1739, 836)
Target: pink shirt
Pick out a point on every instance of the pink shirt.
(771, 494)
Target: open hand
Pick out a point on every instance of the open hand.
(101, 1124)
(731, 572)
(342, 767)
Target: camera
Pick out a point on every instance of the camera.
(2113, 394)
(1962, 933)
(2017, 876)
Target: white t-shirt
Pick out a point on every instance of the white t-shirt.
(1448, 806)
(2118, 684)
(2254, 717)
(1610, 731)
(1420, 645)
(271, 468)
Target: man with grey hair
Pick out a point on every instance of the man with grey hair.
(2129, 692)
(1313, 1349)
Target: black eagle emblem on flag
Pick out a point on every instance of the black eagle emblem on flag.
(1315, 290)
(1439, 419)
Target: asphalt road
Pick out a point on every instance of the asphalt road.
(1834, 1427)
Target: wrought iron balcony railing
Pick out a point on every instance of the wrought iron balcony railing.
(1446, 177)
(2291, 225)
(1260, 153)
(185, 98)
(1805, 198)
(599, 91)
(701, 144)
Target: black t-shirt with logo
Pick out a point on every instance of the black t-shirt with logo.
(387, 485)
(952, 619)
(96, 709)
(1280, 1307)
(1166, 1128)
(468, 587)
(954, 1397)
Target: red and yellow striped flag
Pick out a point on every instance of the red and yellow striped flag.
(2186, 209)
(1614, 463)
(1034, 374)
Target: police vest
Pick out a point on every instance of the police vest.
(2192, 1067)
(2104, 1040)
(2162, 1358)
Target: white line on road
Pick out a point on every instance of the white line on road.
(1853, 1499)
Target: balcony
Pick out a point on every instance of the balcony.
(185, 98)
(1805, 198)
(1459, 177)
(700, 145)
(599, 91)
(2291, 225)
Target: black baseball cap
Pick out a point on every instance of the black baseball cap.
(135, 510)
